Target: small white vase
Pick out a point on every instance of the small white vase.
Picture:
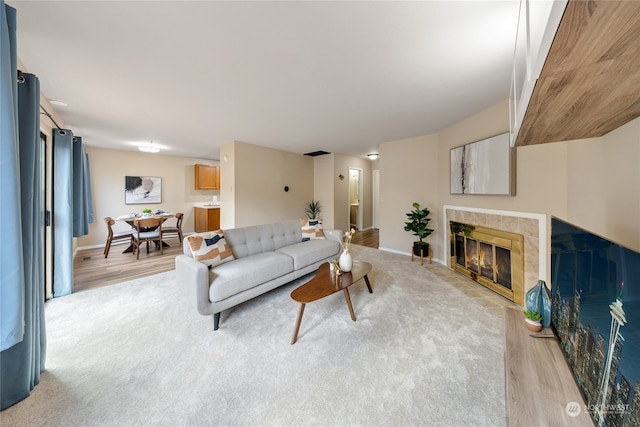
(345, 261)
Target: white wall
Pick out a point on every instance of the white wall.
(323, 178)
(260, 175)
(227, 185)
(408, 174)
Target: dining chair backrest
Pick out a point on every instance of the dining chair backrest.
(143, 224)
(179, 217)
(120, 235)
(176, 229)
(147, 229)
(109, 221)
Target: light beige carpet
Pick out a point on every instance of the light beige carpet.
(423, 352)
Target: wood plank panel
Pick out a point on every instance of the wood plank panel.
(590, 82)
(539, 383)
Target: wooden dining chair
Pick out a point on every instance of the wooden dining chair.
(115, 235)
(177, 229)
(147, 230)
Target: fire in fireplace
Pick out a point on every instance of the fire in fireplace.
(493, 258)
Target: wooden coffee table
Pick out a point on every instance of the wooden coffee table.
(326, 283)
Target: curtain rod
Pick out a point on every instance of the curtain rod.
(46, 113)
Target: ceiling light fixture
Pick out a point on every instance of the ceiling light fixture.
(58, 103)
(373, 156)
(149, 147)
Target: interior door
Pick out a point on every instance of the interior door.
(355, 198)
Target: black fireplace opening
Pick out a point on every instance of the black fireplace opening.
(484, 259)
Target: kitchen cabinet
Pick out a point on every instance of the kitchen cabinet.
(207, 219)
(207, 177)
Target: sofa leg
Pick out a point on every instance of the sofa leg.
(216, 321)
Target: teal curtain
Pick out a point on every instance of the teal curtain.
(62, 212)
(72, 204)
(12, 282)
(82, 204)
(21, 220)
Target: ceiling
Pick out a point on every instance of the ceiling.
(297, 76)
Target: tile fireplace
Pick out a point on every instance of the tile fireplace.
(498, 233)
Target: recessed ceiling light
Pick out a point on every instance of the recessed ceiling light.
(57, 103)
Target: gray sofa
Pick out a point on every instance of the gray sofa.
(266, 256)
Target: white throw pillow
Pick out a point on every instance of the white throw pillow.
(210, 248)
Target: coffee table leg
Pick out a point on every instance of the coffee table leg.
(366, 279)
(298, 321)
(348, 298)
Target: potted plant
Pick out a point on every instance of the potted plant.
(459, 228)
(533, 320)
(146, 212)
(313, 209)
(418, 226)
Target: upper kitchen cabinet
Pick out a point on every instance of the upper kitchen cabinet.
(207, 177)
(588, 84)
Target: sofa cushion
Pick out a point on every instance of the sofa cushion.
(311, 229)
(210, 248)
(245, 273)
(310, 252)
(255, 239)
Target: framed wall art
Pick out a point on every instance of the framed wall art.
(484, 167)
(142, 189)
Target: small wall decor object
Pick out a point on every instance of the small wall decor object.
(142, 189)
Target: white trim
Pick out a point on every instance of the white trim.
(394, 251)
(542, 231)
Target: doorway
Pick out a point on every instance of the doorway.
(355, 198)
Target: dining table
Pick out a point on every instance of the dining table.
(131, 217)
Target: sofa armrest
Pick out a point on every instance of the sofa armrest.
(193, 277)
(336, 235)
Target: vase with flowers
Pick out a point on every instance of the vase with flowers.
(346, 261)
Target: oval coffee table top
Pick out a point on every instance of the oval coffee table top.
(327, 282)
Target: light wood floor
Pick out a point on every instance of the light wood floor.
(92, 270)
(366, 238)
